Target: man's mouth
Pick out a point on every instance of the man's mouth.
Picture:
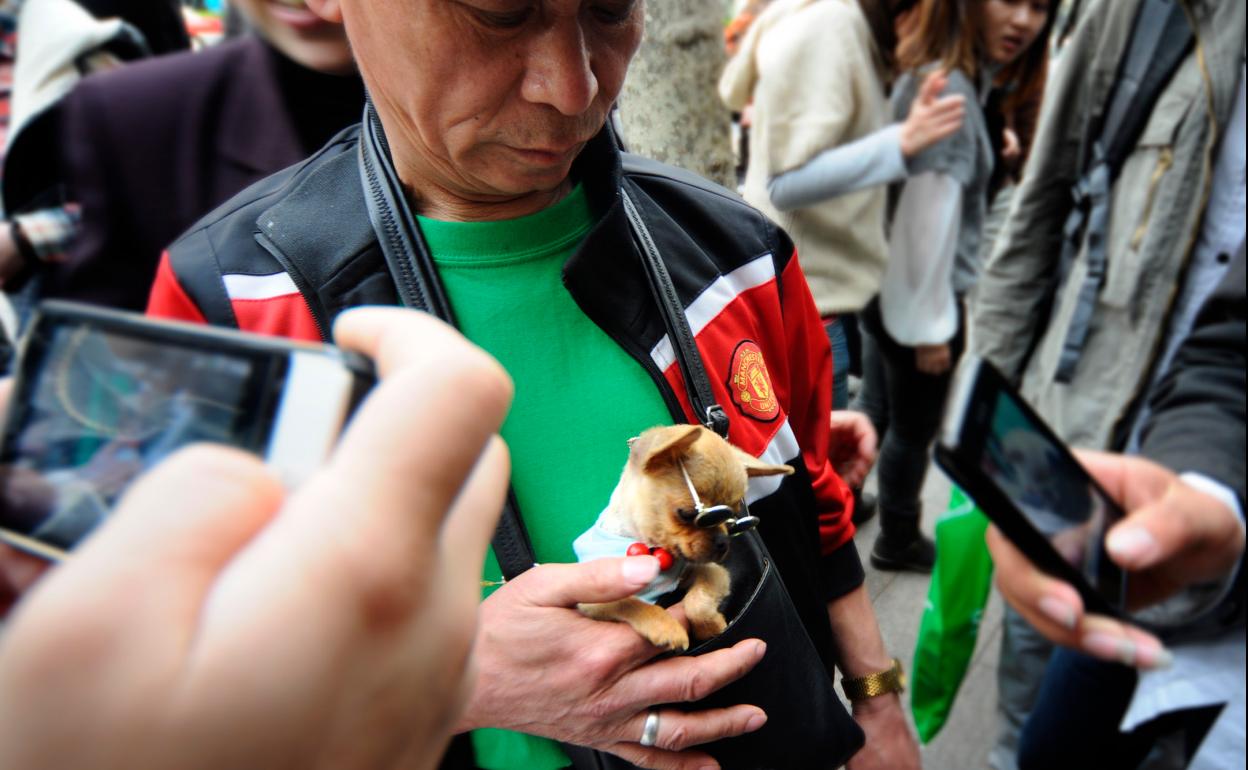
(550, 155)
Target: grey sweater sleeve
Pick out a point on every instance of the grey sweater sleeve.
(872, 160)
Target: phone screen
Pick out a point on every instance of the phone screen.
(97, 408)
(1052, 490)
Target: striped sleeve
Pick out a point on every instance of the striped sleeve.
(810, 378)
(168, 299)
(264, 304)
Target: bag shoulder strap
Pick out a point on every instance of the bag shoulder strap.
(416, 280)
(698, 384)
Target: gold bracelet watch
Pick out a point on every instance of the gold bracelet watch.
(862, 688)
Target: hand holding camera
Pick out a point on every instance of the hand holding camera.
(329, 626)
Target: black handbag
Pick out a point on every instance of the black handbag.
(807, 727)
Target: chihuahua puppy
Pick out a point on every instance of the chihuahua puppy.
(681, 494)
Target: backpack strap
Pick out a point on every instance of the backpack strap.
(1160, 41)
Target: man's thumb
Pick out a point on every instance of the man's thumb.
(1152, 534)
(601, 580)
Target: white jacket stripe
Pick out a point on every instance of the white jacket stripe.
(241, 287)
(714, 299)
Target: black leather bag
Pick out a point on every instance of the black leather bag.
(807, 726)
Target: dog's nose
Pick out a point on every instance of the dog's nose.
(721, 544)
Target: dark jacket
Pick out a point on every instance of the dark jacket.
(274, 260)
(155, 145)
(1197, 423)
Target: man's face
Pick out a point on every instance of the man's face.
(491, 100)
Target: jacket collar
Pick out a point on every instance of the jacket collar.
(256, 132)
(321, 251)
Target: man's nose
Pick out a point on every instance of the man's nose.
(560, 69)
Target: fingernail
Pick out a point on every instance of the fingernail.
(760, 649)
(1110, 648)
(709, 767)
(1133, 544)
(1153, 656)
(640, 569)
(756, 721)
(1059, 612)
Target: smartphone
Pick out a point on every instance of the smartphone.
(999, 451)
(101, 395)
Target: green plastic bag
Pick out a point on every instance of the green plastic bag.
(956, 598)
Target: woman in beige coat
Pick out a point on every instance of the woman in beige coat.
(822, 143)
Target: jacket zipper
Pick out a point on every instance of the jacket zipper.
(1164, 162)
(1125, 422)
(305, 290)
(406, 270)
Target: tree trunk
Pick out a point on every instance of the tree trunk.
(670, 108)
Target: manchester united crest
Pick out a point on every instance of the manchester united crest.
(751, 384)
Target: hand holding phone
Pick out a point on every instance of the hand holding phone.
(1027, 482)
(1062, 543)
(1173, 536)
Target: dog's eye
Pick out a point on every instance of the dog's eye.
(686, 515)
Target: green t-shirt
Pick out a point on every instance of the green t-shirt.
(579, 396)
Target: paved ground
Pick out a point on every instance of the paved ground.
(964, 742)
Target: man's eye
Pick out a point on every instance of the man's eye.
(500, 15)
(509, 20)
(616, 12)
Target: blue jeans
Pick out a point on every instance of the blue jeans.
(835, 329)
(1074, 725)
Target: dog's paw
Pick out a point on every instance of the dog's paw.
(707, 627)
(663, 632)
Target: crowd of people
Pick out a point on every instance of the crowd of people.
(920, 179)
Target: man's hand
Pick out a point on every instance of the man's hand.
(860, 651)
(330, 627)
(853, 446)
(1173, 536)
(890, 745)
(933, 359)
(545, 669)
(933, 118)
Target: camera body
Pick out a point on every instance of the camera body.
(101, 396)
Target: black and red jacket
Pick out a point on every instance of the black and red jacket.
(290, 253)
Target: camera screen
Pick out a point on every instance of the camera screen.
(98, 409)
(1053, 491)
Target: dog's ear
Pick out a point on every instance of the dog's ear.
(756, 467)
(658, 447)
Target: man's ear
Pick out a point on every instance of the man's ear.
(661, 446)
(329, 10)
(756, 467)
